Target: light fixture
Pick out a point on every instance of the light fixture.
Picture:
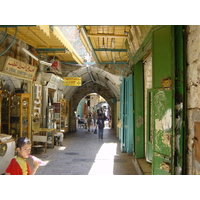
(30, 54)
(45, 63)
(34, 57)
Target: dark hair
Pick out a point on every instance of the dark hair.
(22, 141)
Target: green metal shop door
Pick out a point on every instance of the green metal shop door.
(163, 101)
(122, 105)
(129, 114)
(138, 111)
(126, 114)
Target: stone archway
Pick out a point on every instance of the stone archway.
(81, 93)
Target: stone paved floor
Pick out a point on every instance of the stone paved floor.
(83, 153)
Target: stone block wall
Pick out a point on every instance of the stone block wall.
(193, 95)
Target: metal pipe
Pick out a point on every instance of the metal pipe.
(4, 35)
(14, 37)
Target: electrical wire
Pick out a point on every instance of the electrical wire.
(14, 37)
(5, 34)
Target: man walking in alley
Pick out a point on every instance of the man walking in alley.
(100, 123)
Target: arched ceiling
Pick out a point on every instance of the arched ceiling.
(94, 77)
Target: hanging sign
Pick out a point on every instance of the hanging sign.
(16, 67)
(56, 67)
(72, 81)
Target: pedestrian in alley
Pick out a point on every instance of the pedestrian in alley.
(100, 124)
(19, 164)
(58, 134)
(94, 117)
(89, 120)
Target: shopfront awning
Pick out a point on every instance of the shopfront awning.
(113, 44)
(48, 40)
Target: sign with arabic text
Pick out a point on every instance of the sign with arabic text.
(72, 81)
(19, 68)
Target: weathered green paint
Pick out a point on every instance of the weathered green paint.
(138, 110)
(163, 67)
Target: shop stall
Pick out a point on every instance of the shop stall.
(64, 115)
(16, 96)
(50, 84)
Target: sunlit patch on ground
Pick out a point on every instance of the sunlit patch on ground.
(104, 161)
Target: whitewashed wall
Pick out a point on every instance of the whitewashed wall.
(147, 85)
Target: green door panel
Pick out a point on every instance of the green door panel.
(163, 68)
(126, 115)
(129, 97)
(138, 110)
(163, 55)
(122, 135)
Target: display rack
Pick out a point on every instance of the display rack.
(5, 113)
(64, 114)
(20, 115)
(57, 115)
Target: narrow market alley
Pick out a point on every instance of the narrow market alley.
(83, 153)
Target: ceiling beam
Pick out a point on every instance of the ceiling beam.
(13, 26)
(107, 35)
(51, 49)
(116, 63)
(105, 49)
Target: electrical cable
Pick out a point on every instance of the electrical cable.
(14, 37)
(5, 34)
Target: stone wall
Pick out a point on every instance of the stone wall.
(193, 94)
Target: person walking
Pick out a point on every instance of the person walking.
(94, 117)
(100, 124)
(89, 120)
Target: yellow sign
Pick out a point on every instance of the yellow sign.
(72, 81)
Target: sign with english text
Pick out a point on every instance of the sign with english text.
(72, 81)
(19, 68)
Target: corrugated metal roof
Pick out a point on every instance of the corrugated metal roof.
(113, 44)
(106, 42)
(45, 37)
